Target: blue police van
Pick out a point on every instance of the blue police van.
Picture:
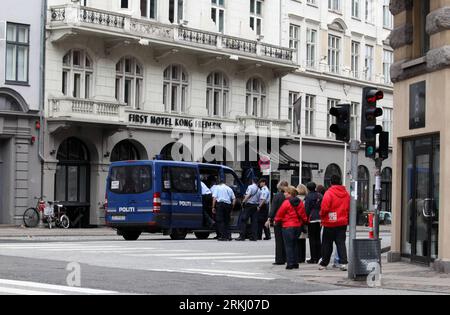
(164, 196)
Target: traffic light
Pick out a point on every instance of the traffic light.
(342, 126)
(370, 112)
(383, 150)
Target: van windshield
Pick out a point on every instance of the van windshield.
(131, 179)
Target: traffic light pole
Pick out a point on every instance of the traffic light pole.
(354, 149)
(376, 227)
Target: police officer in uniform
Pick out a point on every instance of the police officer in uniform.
(223, 202)
(207, 201)
(251, 203)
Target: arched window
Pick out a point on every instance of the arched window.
(175, 152)
(77, 76)
(363, 190)
(72, 172)
(129, 82)
(9, 103)
(256, 98)
(175, 89)
(332, 169)
(125, 151)
(217, 95)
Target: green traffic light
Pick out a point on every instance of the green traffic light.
(370, 151)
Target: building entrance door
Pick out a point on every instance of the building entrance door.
(422, 182)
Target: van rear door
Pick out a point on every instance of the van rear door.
(181, 184)
(130, 194)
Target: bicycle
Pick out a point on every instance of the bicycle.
(31, 216)
(60, 220)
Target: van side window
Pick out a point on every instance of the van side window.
(131, 179)
(182, 180)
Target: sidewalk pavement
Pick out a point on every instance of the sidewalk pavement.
(402, 276)
(22, 232)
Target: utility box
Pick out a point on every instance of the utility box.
(366, 254)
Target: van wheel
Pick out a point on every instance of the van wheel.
(131, 236)
(202, 235)
(178, 234)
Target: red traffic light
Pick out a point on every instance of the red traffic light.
(374, 95)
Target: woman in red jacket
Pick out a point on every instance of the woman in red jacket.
(292, 216)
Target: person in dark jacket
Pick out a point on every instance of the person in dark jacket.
(292, 216)
(313, 203)
(278, 199)
(334, 215)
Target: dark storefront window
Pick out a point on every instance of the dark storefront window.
(386, 190)
(72, 172)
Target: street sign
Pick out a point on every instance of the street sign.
(264, 163)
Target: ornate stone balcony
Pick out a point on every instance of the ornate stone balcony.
(75, 16)
(88, 110)
(264, 126)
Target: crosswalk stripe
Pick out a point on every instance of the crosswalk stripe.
(216, 256)
(248, 261)
(217, 273)
(25, 292)
(57, 288)
(181, 255)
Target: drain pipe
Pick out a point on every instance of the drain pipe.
(42, 91)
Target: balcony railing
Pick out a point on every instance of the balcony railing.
(343, 71)
(84, 109)
(75, 15)
(270, 126)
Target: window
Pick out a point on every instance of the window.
(310, 105)
(175, 89)
(9, 103)
(218, 14)
(176, 11)
(17, 53)
(217, 95)
(294, 40)
(129, 82)
(311, 41)
(356, 9)
(293, 115)
(334, 5)
(180, 180)
(388, 122)
(388, 18)
(131, 179)
(369, 12)
(256, 98)
(148, 9)
(363, 191)
(77, 76)
(334, 53)
(354, 120)
(388, 60)
(124, 4)
(125, 151)
(355, 59)
(256, 7)
(330, 119)
(369, 63)
(72, 172)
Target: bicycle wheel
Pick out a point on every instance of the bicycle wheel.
(64, 222)
(31, 218)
